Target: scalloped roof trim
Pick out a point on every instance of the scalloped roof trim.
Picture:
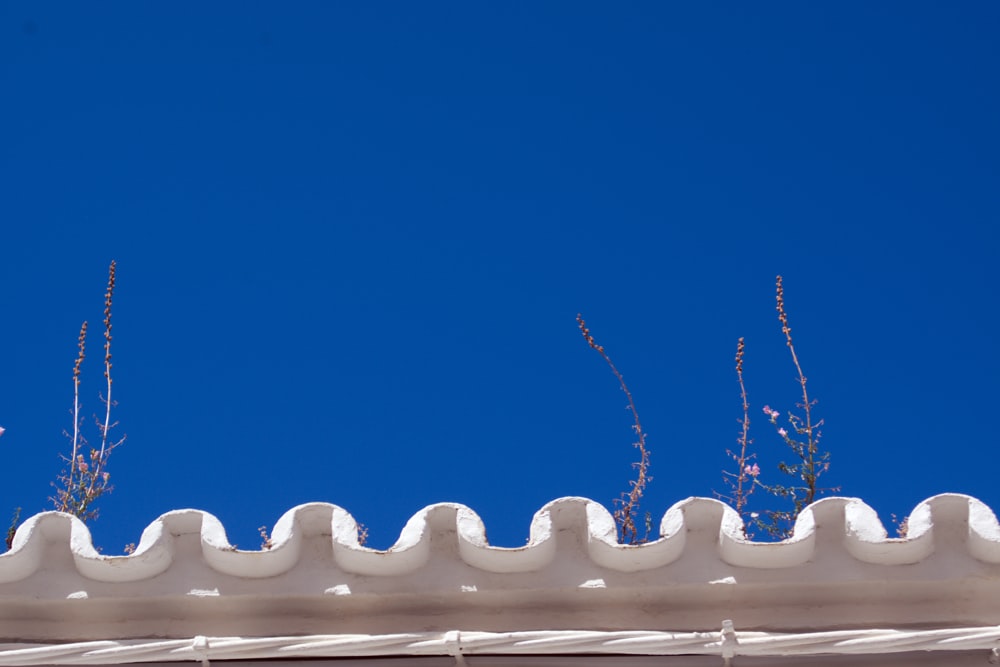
(848, 520)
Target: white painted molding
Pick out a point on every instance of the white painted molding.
(726, 643)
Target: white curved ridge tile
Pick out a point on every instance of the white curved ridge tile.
(984, 532)
(798, 549)
(540, 550)
(410, 552)
(948, 521)
(868, 541)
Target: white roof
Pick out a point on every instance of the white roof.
(839, 586)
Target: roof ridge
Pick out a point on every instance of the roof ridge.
(934, 522)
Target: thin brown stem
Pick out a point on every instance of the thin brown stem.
(64, 501)
(625, 514)
(741, 478)
(742, 483)
(108, 297)
(810, 457)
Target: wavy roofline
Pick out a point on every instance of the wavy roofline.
(848, 520)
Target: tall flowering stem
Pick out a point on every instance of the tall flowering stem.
(741, 483)
(86, 477)
(802, 437)
(809, 474)
(77, 442)
(628, 504)
(108, 297)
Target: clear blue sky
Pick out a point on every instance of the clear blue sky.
(352, 240)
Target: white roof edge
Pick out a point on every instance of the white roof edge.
(839, 572)
(846, 521)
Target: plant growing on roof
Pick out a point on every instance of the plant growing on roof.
(86, 478)
(627, 505)
(742, 482)
(802, 437)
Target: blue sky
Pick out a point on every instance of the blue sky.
(352, 240)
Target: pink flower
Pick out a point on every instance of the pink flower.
(752, 471)
(782, 432)
(773, 414)
(1, 430)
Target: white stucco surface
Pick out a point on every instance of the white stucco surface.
(839, 573)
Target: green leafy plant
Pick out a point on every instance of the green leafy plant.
(12, 528)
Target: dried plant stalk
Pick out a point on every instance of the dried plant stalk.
(86, 478)
(628, 504)
(743, 482)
